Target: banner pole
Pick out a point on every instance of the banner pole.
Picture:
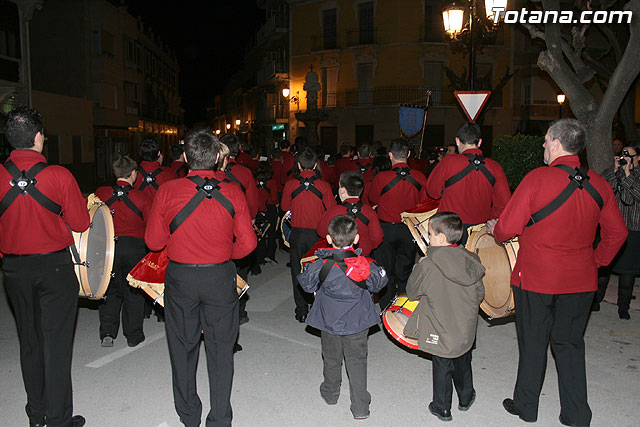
(424, 123)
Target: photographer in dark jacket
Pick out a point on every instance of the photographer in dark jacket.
(624, 177)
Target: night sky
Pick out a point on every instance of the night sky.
(209, 38)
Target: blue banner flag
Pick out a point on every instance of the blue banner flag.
(411, 119)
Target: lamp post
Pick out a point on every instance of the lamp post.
(560, 98)
(453, 21)
(296, 98)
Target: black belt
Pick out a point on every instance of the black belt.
(199, 265)
(387, 222)
(61, 251)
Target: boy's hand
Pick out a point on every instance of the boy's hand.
(491, 225)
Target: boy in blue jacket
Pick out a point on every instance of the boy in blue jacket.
(343, 311)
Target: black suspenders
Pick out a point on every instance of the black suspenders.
(207, 188)
(578, 180)
(233, 178)
(263, 185)
(363, 168)
(403, 174)
(148, 179)
(181, 168)
(476, 163)
(306, 184)
(338, 259)
(23, 183)
(121, 194)
(355, 211)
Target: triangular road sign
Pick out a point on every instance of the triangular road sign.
(472, 102)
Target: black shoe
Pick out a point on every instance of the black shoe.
(76, 421)
(147, 316)
(623, 314)
(42, 424)
(107, 341)
(136, 342)
(237, 347)
(244, 319)
(565, 423)
(301, 318)
(361, 416)
(442, 414)
(510, 406)
(466, 407)
(160, 318)
(288, 264)
(595, 306)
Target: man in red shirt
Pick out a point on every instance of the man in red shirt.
(151, 173)
(351, 187)
(470, 185)
(130, 209)
(308, 198)
(345, 162)
(396, 191)
(38, 205)
(178, 165)
(555, 276)
(204, 222)
(288, 162)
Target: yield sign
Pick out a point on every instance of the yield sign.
(472, 102)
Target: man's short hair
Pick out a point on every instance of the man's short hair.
(22, 126)
(353, 182)
(201, 147)
(469, 133)
(284, 144)
(345, 149)
(122, 166)
(364, 151)
(571, 134)
(233, 143)
(276, 154)
(307, 159)
(149, 149)
(400, 149)
(449, 224)
(343, 230)
(176, 151)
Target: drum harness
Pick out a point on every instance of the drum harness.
(263, 185)
(205, 188)
(182, 167)
(338, 259)
(232, 177)
(403, 174)
(24, 182)
(476, 163)
(306, 184)
(355, 211)
(121, 194)
(578, 179)
(363, 168)
(149, 179)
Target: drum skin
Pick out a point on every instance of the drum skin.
(499, 261)
(285, 228)
(418, 224)
(395, 318)
(96, 247)
(310, 256)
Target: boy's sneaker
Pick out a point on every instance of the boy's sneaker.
(361, 416)
(442, 414)
(107, 341)
(466, 407)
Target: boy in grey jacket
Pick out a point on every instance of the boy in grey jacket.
(448, 283)
(343, 311)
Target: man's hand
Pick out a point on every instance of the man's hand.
(491, 225)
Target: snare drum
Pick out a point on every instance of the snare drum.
(395, 318)
(498, 260)
(285, 228)
(93, 251)
(417, 219)
(310, 256)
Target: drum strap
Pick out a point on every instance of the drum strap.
(338, 259)
(23, 183)
(403, 174)
(182, 167)
(148, 179)
(121, 194)
(206, 188)
(233, 178)
(578, 180)
(363, 168)
(306, 184)
(355, 210)
(476, 163)
(262, 184)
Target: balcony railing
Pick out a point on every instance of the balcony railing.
(275, 22)
(132, 107)
(324, 43)
(389, 96)
(270, 68)
(362, 36)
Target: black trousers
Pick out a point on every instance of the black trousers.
(43, 290)
(353, 349)
(201, 298)
(561, 320)
(444, 371)
(267, 246)
(129, 251)
(396, 254)
(625, 288)
(302, 239)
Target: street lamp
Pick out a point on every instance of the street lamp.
(228, 126)
(453, 21)
(560, 98)
(296, 98)
(238, 122)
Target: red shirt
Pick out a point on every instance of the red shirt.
(27, 227)
(328, 173)
(245, 159)
(267, 194)
(125, 221)
(370, 235)
(166, 175)
(419, 164)
(307, 208)
(402, 197)
(248, 183)
(180, 166)
(209, 235)
(344, 164)
(288, 167)
(276, 165)
(473, 198)
(556, 255)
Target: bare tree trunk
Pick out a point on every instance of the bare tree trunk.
(627, 117)
(599, 152)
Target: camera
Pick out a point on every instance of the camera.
(622, 161)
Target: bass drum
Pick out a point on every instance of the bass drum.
(498, 260)
(285, 228)
(93, 251)
(417, 220)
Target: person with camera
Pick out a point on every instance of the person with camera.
(624, 177)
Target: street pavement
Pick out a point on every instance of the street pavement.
(278, 374)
